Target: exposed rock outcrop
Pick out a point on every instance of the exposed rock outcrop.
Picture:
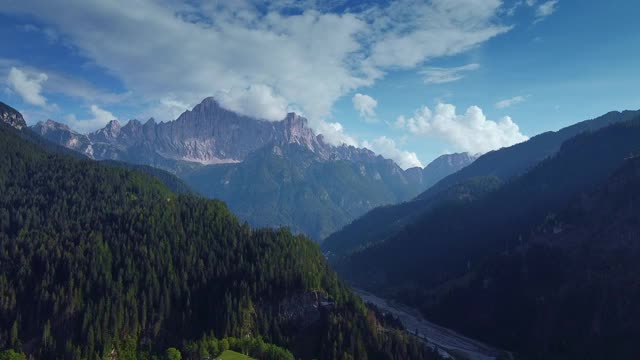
(11, 116)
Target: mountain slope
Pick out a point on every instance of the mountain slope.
(287, 185)
(501, 165)
(444, 166)
(385, 222)
(11, 117)
(572, 291)
(451, 238)
(515, 160)
(95, 259)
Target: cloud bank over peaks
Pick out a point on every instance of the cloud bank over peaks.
(265, 58)
(471, 131)
(258, 101)
(101, 117)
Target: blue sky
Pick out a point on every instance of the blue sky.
(409, 79)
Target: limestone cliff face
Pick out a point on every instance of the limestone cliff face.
(61, 134)
(11, 116)
(208, 134)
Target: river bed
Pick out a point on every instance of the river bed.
(450, 344)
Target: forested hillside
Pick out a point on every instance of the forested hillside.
(572, 291)
(98, 259)
(449, 246)
(449, 239)
(500, 165)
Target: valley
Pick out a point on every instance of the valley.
(448, 343)
(319, 180)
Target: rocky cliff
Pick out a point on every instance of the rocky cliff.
(11, 116)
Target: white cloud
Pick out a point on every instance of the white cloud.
(545, 9)
(415, 31)
(439, 75)
(387, 148)
(28, 86)
(309, 58)
(531, 2)
(503, 104)
(365, 105)
(334, 133)
(257, 101)
(471, 132)
(64, 84)
(100, 118)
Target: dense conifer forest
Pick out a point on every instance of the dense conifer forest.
(98, 260)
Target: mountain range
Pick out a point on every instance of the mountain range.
(102, 260)
(270, 173)
(493, 168)
(525, 248)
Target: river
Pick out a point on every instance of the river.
(449, 343)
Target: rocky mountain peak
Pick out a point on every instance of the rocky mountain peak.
(294, 120)
(109, 133)
(11, 116)
(113, 125)
(208, 105)
(297, 132)
(50, 125)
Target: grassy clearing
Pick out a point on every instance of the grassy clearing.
(232, 355)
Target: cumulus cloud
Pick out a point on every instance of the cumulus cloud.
(387, 148)
(100, 118)
(309, 57)
(68, 85)
(545, 9)
(365, 105)
(334, 134)
(471, 132)
(258, 101)
(439, 75)
(503, 104)
(28, 86)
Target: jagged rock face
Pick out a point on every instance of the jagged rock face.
(61, 134)
(11, 116)
(208, 134)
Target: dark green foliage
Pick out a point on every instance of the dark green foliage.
(96, 260)
(572, 291)
(172, 354)
(12, 354)
(256, 348)
(169, 180)
(385, 222)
